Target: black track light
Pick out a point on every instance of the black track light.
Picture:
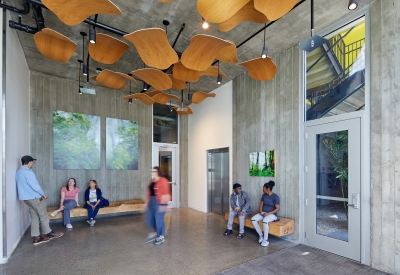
(264, 52)
(219, 79)
(79, 75)
(130, 101)
(353, 4)
(204, 23)
(130, 89)
(85, 69)
(145, 86)
(92, 35)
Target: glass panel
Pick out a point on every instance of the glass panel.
(165, 161)
(335, 73)
(332, 185)
(165, 124)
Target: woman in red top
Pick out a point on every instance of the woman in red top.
(69, 200)
(158, 196)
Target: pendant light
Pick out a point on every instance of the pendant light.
(264, 52)
(353, 4)
(130, 89)
(204, 23)
(85, 67)
(219, 78)
(79, 84)
(189, 94)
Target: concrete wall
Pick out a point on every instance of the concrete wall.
(265, 117)
(183, 160)
(50, 93)
(210, 127)
(385, 136)
(17, 114)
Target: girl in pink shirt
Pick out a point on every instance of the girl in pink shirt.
(69, 200)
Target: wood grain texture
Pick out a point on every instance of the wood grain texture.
(199, 96)
(163, 98)
(155, 78)
(113, 80)
(260, 68)
(54, 45)
(142, 97)
(153, 47)
(202, 51)
(273, 9)
(187, 112)
(247, 13)
(228, 54)
(107, 49)
(176, 83)
(217, 11)
(152, 93)
(212, 72)
(180, 72)
(73, 12)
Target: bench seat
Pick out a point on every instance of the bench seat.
(279, 228)
(115, 207)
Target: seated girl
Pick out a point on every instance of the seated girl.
(69, 200)
(93, 201)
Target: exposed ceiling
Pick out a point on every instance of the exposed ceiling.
(139, 14)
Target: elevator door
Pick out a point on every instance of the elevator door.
(218, 180)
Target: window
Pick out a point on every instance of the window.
(165, 124)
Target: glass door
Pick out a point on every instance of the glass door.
(333, 185)
(165, 157)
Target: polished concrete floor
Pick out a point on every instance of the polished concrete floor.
(194, 245)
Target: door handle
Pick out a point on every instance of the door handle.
(355, 198)
(172, 182)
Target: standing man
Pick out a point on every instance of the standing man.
(32, 194)
(240, 203)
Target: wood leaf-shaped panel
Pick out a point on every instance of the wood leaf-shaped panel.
(54, 45)
(213, 72)
(113, 80)
(164, 98)
(153, 47)
(73, 12)
(247, 13)
(198, 97)
(107, 49)
(273, 9)
(202, 51)
(165, 1)
(142, 97)
(217, 11)
(188, 112)
(228, 54)
(152, 93)
(180, 72)
(176, 83)
(260, 68)
(154, 77)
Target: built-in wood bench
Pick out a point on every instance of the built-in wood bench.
(279, 228)
(115, 207)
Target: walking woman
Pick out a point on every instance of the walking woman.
(158, 196)
(93, 197)
(269, 207)
(69, 200)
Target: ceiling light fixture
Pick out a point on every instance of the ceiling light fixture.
(219, 78)
(204, 23)
(182, 109)
(170, 106)
(130, 89)
(98, 70)
(353, 4)
(166, 23)
(189, 94)
(85, 68)
(145, 86)
(92, 35)
(79, 84)
(264, 52)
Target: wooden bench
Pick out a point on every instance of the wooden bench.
(115, 207)
(279, 228)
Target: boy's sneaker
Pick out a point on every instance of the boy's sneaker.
(39, 239)
(264, 243)
(159, 240)
(92, 222)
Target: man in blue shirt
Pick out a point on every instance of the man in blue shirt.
(33, 196)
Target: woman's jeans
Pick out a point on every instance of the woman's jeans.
(154, 217)
(92, 213)
(68, 206)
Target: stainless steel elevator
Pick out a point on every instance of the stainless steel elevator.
(218, 180)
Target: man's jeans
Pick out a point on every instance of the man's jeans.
(233, 214)
(68, 206)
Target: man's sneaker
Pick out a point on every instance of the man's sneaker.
(39, 239)
(92, 222)
(260, 239)
(55, 212)
(54, 235)
(88, 222)
(264, 243)
(69, 226)
(159, 240)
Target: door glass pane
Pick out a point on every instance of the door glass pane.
(165, 124)
(335, 73)
(165, 161)
(332, 185)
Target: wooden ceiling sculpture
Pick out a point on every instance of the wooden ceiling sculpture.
(260, 68)
(273, 9)
(217, 11)
(198, 97)
(73, 12)
(212, 72)
(153, 47)
(202, 51)
(152, 93)
(54, 45)
(180, 72)
(142, 97)
(107, 49)
(154, 77)
(176, 83)
(163, 98)
(247, 13)
(228, 54)
(113, 80)
(180, 110)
